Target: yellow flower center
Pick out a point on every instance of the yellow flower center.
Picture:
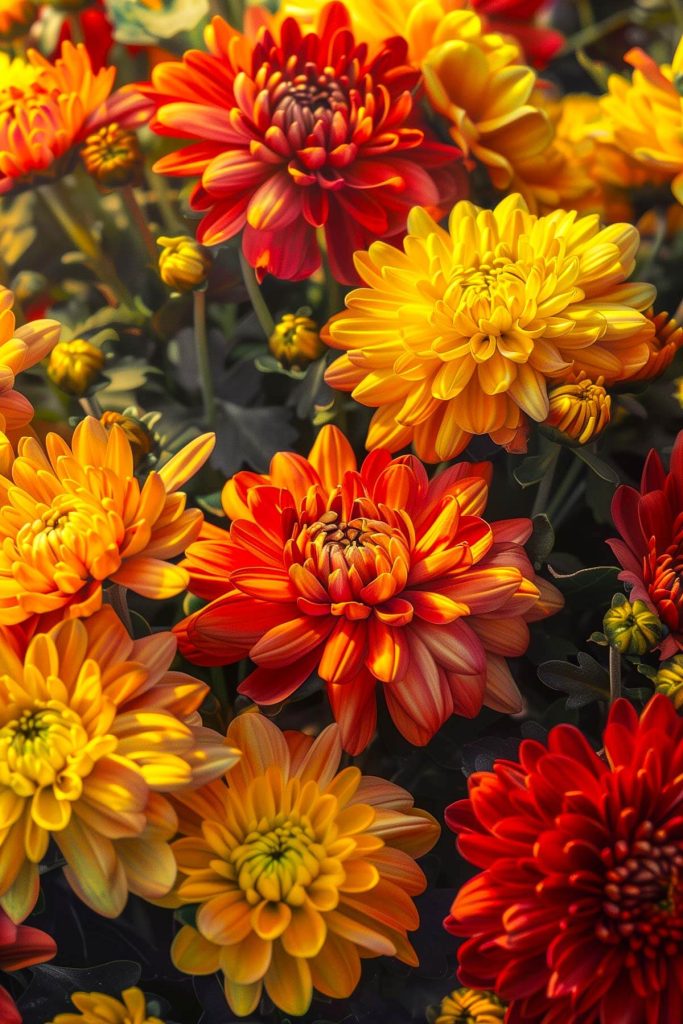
(276, 860)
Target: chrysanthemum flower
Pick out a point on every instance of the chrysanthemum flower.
(577, 915)
(298, 133)
(663, 345)
(579, 410)
(20, 946)
(20, 348)
(459, 333)
(299, 869)
(93, 730)
(465, 1006)
(650, 547)
(646, 116)
(46, 108)
(74, 516)
(98, 1008)
(366, 576)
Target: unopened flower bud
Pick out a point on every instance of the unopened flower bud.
(112, 156)
(632, 628)
(578, 411)
(669, 680)
(138, 433)
(75, 365)
(184, 264)
(467, 1006)
(295, 341)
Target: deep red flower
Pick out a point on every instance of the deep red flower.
(516, 18)
(96, 31)
(577, 916)
(20, 946)
(650, 548)
(299, 133)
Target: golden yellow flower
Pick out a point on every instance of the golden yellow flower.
(184, 264)
(73, 517)
(16, 18)
(112, 156)
(97, 1008)
(579, 410)
(20, 348)
(466, 1006)
(669, 680)
(299, 869)
(141, 439)
(93, 730)
(460, 332)
(295, 340)
(75, 365)
(646, 116)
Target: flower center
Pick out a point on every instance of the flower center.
(331, 529)
(37, 745)
(643, 895)
(277, 860)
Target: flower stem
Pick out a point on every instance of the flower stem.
(544, 488)
(58, 201)
(137, 217)
(90, 406)
(614, 675)
(116, 596)
(256, 297)
(162, 197)
(562, 500)
(202, 346)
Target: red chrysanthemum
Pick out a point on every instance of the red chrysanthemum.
(366, 576)
(650, 549)
(20, 946)
(577, 917)
(298, 133)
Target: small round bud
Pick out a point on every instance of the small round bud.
(578, 411)
(112, 156)
(295, 341)
(632, 628)
(467, 1006)
(138, 433)
(75, 365)
(669, 680)
(16, 18)
(184, 264)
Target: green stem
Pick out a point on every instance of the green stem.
(137, 217)
(256, 297)
(592, 33)
(614, 674)
(116, 596)
(90, 406)
(75, 28)
(677, 9)
(543, 492)
(564, 492)
(58, 201)
(202, 347)
(162, 197)
(335, 300)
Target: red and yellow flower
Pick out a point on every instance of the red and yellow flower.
(293, 134)
(650, 545)
(366, 576)
(74, 516)
(98, 1008)
(20, 348)
(300, 870)
(577, 914)
(48, 107)
(460, 332)
(94, 730)
(20, 946)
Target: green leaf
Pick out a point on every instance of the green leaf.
(599, 582)
(583, 683)
(597, 465)
(542, 540)
(532, 469)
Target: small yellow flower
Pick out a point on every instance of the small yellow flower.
(632, 628)
(112, 156)
(140, 437)
(184, 264)
(579, 410)
(75, 365)
(466, 1006)
(669, 680)
(97, 1008)
(296, 341)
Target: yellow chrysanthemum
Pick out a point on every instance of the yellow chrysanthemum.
(93, 730)
(20, 348)
(73, 517)
(97, 1008)
(466, 1006)
(458, 333)
(646, 116)
(299, 869)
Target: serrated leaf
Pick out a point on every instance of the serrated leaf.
(597, 465)
(600, 581)
(583, 683)
(251, 435)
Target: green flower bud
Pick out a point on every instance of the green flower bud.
(632, 628)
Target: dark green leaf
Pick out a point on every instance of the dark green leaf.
(583, 683)
(532, 469)
(597, 583)
(597, 465)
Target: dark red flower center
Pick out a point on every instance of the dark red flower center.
(664, 573)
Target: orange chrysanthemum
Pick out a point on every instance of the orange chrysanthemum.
(20, 348)
(366, 576)
(663, 346)
(16, 18)
(93, 730)
(46, 108)
(73, 517)
(459, 333)
(299, 870)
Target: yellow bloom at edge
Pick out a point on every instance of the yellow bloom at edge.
(97, 1008)
(93, 730)
(299, 870)
(466, 1006)
(20, 348)
(74, 516)
(459, 332)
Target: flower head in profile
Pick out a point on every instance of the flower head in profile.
(299, 869)
(98, 1008)
(366, 576)
(579, 410)
(646, 116)
(650, 545)
(577, 914)
(663, 345)
(20, 946)
(73, 517)
(466, 1006)
(20, 348)
(294, 133)
(461, 331)
(94, 729)
(48, 107)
